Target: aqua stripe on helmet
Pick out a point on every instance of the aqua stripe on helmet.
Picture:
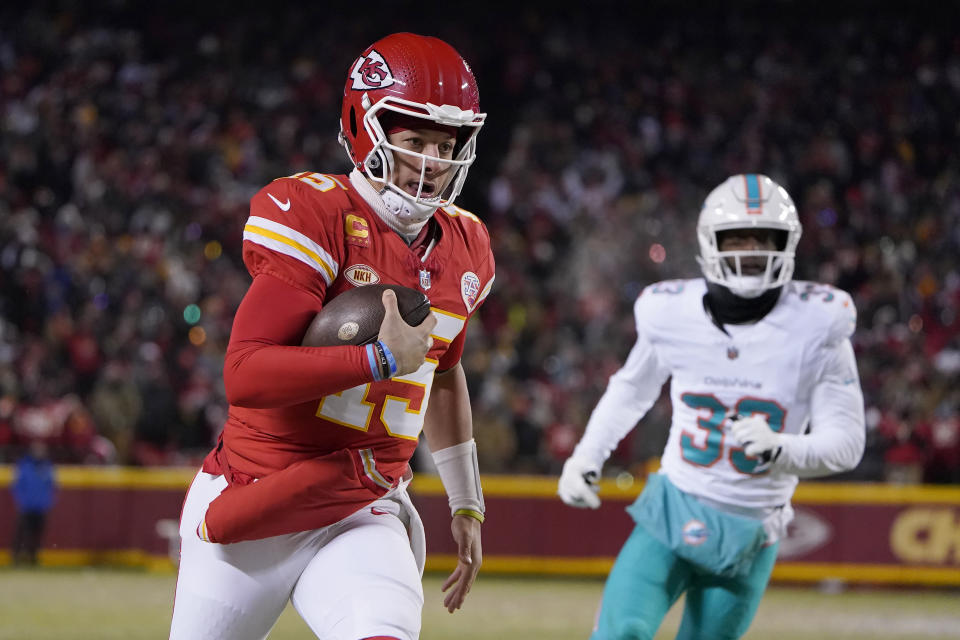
(754, 196)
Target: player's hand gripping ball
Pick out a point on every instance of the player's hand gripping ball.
(354, 316)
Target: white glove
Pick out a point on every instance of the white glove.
(578, 483)
(757, 438)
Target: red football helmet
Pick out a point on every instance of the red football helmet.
(413, 76)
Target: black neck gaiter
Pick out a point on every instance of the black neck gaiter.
(725, 307)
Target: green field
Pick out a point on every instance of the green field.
(81, 604)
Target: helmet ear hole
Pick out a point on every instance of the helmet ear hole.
(353, 122)
(463, 137)
(780, 238)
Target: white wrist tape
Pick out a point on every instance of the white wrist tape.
(460, 475)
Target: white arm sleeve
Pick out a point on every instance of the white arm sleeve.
(460, 476)
(630, 393)
(838, 432)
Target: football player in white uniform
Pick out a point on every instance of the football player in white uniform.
(765, 390)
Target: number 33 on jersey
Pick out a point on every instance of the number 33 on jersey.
(770, 368)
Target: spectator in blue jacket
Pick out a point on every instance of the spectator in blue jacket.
(34, 489)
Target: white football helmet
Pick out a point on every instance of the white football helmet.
(748, 201)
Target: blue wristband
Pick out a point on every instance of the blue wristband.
(390, 359)
(374, 362)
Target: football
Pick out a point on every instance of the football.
(354, 316)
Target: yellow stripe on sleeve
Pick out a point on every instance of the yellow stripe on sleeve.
(290, 242)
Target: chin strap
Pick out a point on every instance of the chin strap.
(397, 213)
(406, 211)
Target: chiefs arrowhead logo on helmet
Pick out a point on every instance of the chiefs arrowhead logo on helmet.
(371, 72)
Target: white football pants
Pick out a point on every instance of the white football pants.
(357, 578)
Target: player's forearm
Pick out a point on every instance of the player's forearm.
(258, 376)
(629, 395)
(619, 410)
(838, 434)
(264, 366)
(448, 420)
(830, 450)
(448, 426)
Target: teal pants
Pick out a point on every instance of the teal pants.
(648, 578)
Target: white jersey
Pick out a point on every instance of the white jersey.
(795, 367)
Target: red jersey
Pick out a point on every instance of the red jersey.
(315, 233)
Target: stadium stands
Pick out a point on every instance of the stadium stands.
(130, 143)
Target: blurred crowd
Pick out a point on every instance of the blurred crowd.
(131, 142)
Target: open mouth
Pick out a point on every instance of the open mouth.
(749, 265)
(752, 268)
(429, 189)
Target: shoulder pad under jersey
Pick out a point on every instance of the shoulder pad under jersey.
(660, 303)
(826, 308)
(294, 230)
(476, 254)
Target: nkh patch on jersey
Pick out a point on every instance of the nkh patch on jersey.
(361, 274)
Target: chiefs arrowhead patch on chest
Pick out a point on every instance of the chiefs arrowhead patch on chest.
(469, 289)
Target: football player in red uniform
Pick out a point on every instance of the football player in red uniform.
(304, 497)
